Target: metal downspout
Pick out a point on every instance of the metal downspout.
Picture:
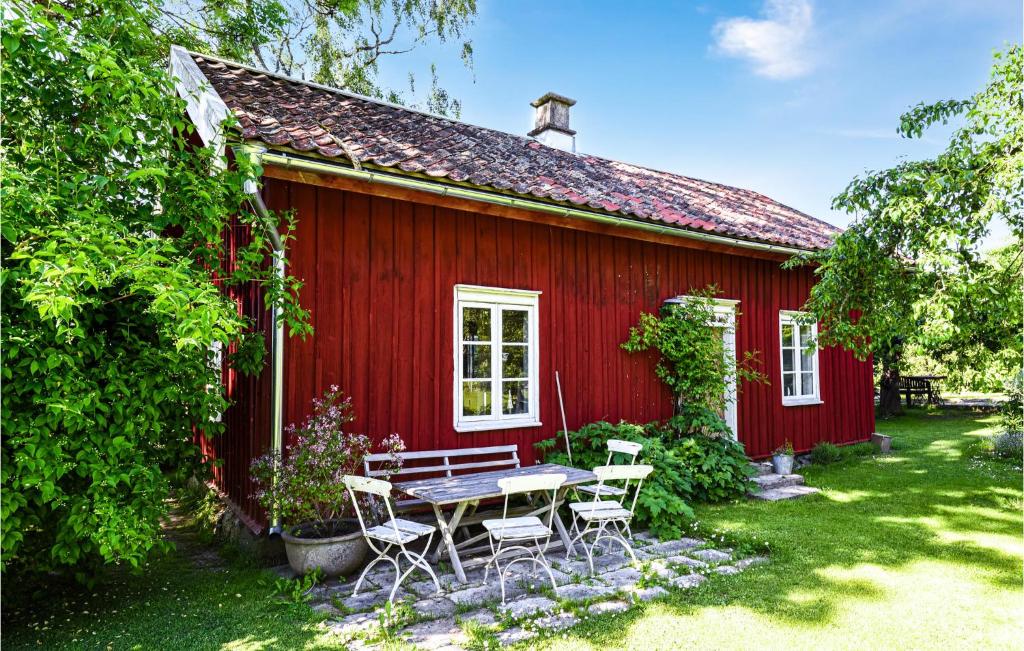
(277, 342)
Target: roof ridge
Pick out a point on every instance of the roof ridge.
(527, 139)
(412, 140)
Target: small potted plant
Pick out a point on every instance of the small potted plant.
(305, 490)
(782, 459)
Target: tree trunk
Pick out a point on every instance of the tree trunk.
(889, 401)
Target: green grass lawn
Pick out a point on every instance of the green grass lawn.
(919, 549)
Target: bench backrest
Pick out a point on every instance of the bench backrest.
(914, 383)
(445, 462)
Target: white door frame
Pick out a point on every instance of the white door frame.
(725, 318)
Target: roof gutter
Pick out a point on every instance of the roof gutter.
(283, 159)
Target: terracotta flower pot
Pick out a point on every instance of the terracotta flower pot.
(335, 556)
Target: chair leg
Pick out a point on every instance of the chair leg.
(421, 562)
(613, 534)
(380, 557)
(583, 543)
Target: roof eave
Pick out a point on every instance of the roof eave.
(285, 157)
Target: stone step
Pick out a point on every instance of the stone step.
(769, 482)
(785, 493)
(762, 467)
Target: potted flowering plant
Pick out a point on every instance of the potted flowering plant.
(305, 488)
(782, 459)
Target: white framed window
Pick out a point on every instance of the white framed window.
(798, 337)
(495, 358)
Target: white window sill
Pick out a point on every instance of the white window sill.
(488, 425)
(802, 402)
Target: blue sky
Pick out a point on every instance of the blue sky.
(791, 98)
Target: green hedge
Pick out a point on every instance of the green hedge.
(687, 468)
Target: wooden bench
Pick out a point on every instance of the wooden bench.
(438, 463)
(913, 385)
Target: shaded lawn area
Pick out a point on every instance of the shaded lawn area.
(192, 599)
(920, 549)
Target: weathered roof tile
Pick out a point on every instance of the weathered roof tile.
(287, 113)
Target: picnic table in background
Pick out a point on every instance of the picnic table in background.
(465, 491)
(921, 385)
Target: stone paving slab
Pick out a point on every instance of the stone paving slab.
(515, 635)
(622, 577)
(556, 621)
(530, 608)
(606, 607)
(646, 594)
(350, 626)
(483, 617)
(711, 555)
(685, 560)
(434, 608)
(688, 581)
(744, 563)
(581, 591)
(434, 635)
(521, 608)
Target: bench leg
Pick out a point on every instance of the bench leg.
(446, 535)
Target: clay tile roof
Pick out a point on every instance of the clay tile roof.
(283, 112)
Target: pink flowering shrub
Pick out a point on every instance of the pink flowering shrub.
(305, 487)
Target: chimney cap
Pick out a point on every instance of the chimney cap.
(552, 97)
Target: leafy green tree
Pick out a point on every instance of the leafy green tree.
(112, 242)
(910, 269)
(339, 43)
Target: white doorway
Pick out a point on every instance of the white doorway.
(724, 323)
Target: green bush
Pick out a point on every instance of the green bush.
(686, 468)
(719, 469)
(826, 453)
(1008, 445)
(864, 449)
(1011, 412)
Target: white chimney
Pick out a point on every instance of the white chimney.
(551, 122)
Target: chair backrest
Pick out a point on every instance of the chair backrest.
(529, 484)
(370, 486)
(634, 473)
(615, 446)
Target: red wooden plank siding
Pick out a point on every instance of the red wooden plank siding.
(379, 279)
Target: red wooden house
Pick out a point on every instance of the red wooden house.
(451, 269)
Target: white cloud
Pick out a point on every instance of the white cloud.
(776, 45)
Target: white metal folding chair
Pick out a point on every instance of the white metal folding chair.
(608, 519)
(628, 449)
(615, 446)
(393, 532)
(521, 530)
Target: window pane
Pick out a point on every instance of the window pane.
(476, 398)
(514, 362)
(787, 335)
(805, 335)
(514, 325)
(807, 384)
(515, 398)
(788, 384)
(787, 359)
(476, 324)
(476, 361)
(806, 360)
